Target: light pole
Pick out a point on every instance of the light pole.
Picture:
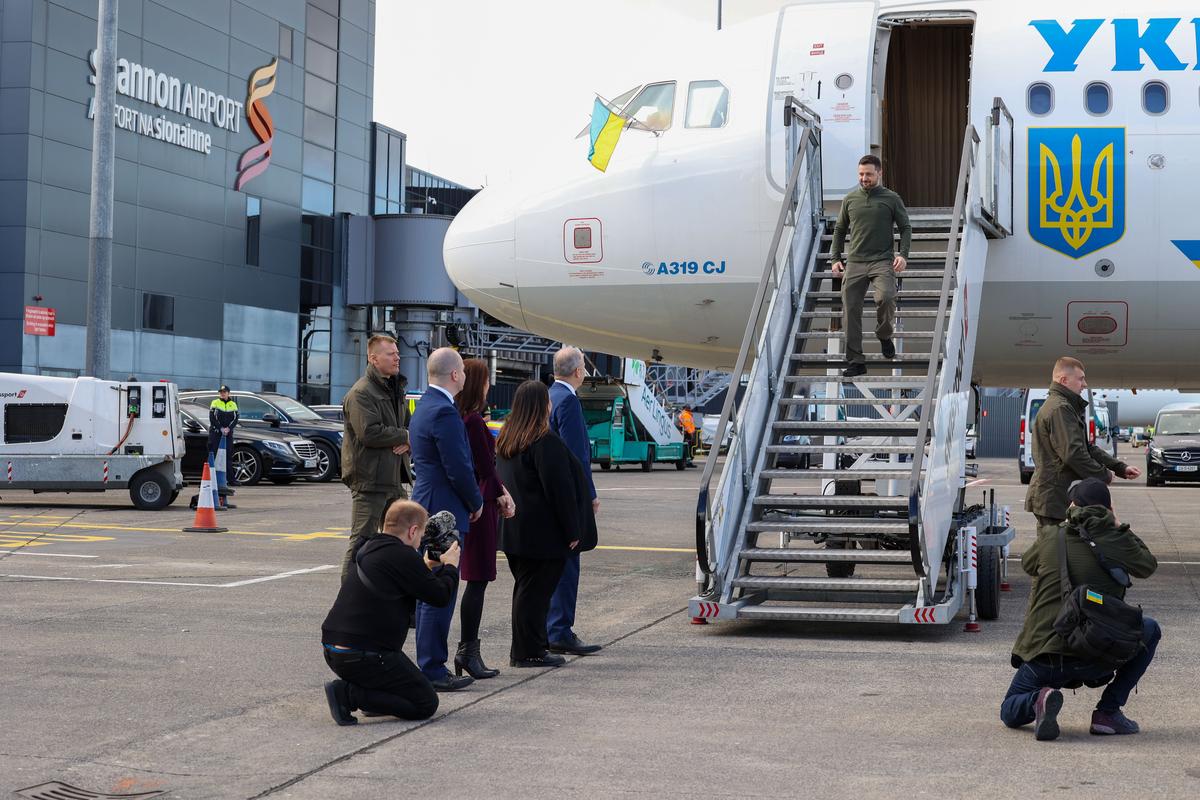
(100, 226)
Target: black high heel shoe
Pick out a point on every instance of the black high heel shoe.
(468, 658)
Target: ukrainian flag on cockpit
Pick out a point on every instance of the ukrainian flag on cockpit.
(1076, 188)
(606, 129)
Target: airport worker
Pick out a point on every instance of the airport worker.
(1061, 453)
(566, 419)
(478, 567)
(364, 632)
(222, 419)
(687, 425)
(445, 481)
(375, 447)
(1044, 661)
(870, 213)
(555, 520)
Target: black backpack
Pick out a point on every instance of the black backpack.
(1097, 627)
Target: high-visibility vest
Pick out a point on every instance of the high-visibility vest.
(688, 423)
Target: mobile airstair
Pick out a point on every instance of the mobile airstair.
(847, 500)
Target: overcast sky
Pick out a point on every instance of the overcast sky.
(480, 85)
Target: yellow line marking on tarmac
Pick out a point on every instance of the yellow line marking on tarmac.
(132, 529)
(232, 585)
(48, 555)
(39, 539)
(33, 516)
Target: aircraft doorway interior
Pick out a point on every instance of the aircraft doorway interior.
(926, 94)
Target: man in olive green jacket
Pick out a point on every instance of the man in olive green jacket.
(871, 214)
(1061, 452)
(1044, 662)
(375, 460)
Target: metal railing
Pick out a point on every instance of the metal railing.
(920, 558)
(804, 156)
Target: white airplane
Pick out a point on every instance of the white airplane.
(659, 256)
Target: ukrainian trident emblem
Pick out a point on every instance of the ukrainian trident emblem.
(1076, 188)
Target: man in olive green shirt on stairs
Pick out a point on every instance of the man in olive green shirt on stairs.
(871, 212)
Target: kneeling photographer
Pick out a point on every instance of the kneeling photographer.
(365, 630)
(1078, 629)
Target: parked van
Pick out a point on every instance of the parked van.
(1173, 452)
(1100, 433)
(91, 435)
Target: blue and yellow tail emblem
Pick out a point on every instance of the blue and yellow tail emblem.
(1076, 188)
(1190, 249)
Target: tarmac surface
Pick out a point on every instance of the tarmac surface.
(140, 658)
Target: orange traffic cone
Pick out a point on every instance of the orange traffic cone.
(206, 515)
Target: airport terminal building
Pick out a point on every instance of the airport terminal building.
(245, 153)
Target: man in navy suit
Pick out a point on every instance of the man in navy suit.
(566, 419)
(445, 481)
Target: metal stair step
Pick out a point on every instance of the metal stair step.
(850, 502)
(903, 294)
(816, 584)
(839, 474)
(861, 447)
(842, 335)
(916, 237)
(878, 381)
(843, 525)
(874, 427)
(826, 556)
(819, 614)
(840, 360)
(902, 312)
(851, 401)
(918, 274)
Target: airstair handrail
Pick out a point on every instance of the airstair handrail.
(965, 168)
(793, 112)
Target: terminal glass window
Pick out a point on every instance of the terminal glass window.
(654, 106)
(1098, 98)
(158, 312)
(1154, 98)
(318, 162)
(285, 42)
(1040, 99)
(388, 173)
(253, 229)
(320, 60)
(708, 105)
(321, 26)
(320, 94)
(316, 196)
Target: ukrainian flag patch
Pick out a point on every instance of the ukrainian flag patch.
(1095, 597)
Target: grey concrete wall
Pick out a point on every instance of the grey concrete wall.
(179, 224)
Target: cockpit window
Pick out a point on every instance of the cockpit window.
(708, 105)
(654, 106)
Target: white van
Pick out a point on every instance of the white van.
(1100, 433)
(91, 435)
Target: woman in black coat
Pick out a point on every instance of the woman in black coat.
(554, 518)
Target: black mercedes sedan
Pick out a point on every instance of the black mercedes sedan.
(256, 453)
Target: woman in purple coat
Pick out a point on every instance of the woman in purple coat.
(478, 565)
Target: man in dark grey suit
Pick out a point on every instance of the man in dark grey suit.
(566, 419)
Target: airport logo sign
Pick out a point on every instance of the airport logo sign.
(255, 161)
(140, 82)
(1076, 188)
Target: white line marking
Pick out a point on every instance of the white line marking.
(50, 555)
(232, 585)
(275, 577)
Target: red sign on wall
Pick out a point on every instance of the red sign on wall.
(39, 321)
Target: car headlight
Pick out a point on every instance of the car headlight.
(1156, 453)
(278, 447)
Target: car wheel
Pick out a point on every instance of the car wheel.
(245, 467)
(327, 464)
(648, 464)
(681, 464)
(1026, 477)
(606, 465)
(150, 491)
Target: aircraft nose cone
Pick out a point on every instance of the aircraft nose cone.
(480, 254)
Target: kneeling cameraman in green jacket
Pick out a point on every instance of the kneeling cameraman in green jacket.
(1044, 662)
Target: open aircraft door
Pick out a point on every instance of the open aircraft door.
(824, 54)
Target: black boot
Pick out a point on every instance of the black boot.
(468, 658)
